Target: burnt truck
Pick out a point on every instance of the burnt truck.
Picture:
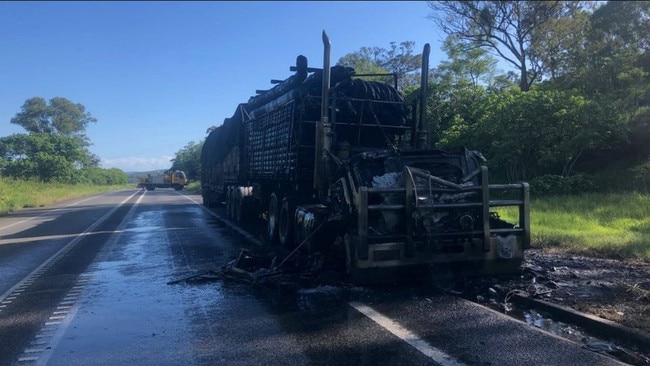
(331, 163)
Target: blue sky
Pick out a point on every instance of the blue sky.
(156, 75)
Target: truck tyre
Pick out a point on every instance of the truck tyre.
(272, 218)
(206, 199)
(244, 207)
(286, 221)
(232, 213)
(236, 204)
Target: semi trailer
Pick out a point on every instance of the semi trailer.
(334, 164)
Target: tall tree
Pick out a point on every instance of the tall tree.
(55, 147)
(60, 116)
(504, 27)
(458, 86)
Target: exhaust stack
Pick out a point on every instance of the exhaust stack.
(421, 139)
(323, 129)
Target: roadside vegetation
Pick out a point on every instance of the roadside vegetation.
(16, 194)
(611, 225)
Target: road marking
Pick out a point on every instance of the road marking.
(66, 248)
(404, 334)
(60, 320)
(52, 210)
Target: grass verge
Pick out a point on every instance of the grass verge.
(607, 225)
(17, 194)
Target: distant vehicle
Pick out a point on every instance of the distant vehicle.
(345, 170)
(170, 179)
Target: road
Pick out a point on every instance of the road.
(87, 282)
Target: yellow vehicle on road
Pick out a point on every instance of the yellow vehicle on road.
(170, 179)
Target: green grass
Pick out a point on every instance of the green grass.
(194, 187)
(608, 225)
(17, 194)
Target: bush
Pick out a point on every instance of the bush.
(550, 185)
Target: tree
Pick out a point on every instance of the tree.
(44, 156)
(457, 87)
(188, 159)
(504, 27)
(559, 44)
(529, 134)
(399, 59)
(60, 116)
(55, 147)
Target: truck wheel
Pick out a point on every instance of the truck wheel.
(244, 207)
(232, 213)
(236, 204)
(272, 218)
(285, 222)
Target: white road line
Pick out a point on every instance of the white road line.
(67, 247)
(71, 306)
(50, 211)
(404, 334)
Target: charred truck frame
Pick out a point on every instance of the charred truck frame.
(338, 164)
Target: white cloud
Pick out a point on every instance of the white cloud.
(138, 164)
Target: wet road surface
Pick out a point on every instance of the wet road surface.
(108, 301)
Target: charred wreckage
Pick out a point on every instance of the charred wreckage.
(337, 165)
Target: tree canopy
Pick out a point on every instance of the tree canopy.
(506, 28)
(399, 59)
(188, 159)
(60, 116)
(55, 149)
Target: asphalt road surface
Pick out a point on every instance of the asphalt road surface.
(88, 283)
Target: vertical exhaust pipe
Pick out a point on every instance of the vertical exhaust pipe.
(323, 128)
(424, 84)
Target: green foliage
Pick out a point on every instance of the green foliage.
(60, 116)
(188, 159)
(548, 185)
(641, 174)
(524, 135)
(56, 147)
(103, 177)
(506, 28)
(45, 156)
(399, 59)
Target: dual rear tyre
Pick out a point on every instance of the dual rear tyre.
(280, 218)
(238, 203)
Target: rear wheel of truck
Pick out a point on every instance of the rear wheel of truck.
(285, 222)
(243, 204)
(272, 218)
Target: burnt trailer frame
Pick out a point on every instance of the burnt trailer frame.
(295, 156)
